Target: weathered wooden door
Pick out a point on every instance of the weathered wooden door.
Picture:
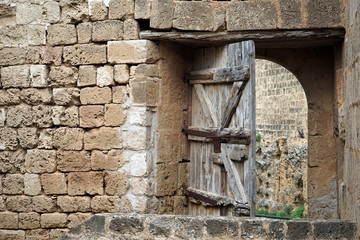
(222, 130)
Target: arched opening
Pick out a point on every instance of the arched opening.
(282, 139)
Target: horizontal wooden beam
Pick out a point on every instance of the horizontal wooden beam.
(262, 38)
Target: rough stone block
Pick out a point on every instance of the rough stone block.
(162, 13)
(37, 234)
(18, 204)
(65, 116)
(52, 55)
(54, 183)
(32, 184)
(68, 138)
(57, 233)
(277, 230)
(38, 75)
(131, 29)
(142, 186)
(82, 183)
(322, 14)
(107, 31)
(120, 94)
(28, 13)
(95, 95)
(161, 226)
(137, 138)
(167, 176)
(170, 146)
(121, 73)
(68, 161)
(8, 139)
(61, 34)
(84, 31)
(221, 227)
(189, 227)
(219, 18)
(15, 76)
(43, 204)
(121, 9)
(144, 70)
(2, 202)
(63, 76)
(74, 204)
(85, 54)
(105, 204)
(8, 220)
(2, 117)
(13, 184)
(91, 116)
(12, 234)
(181, 205)
(45, 139)
(7, 14)
(104, 138)
(240, 15)
(29, 220)
(145, 92)
(111, 160)
(290, 12)
(253, 228)
(139, 116)
(138, 164)
(105, 76)
(116, 183)
(74, 11)
(10, 96)
(98, 10)
(12, 161)
(195, 16)
(53, 220)
(115, 115)
(34, 96)
(127, 225)
(27, 137)
(42, 116)
(142, 9)
(36, 35)
(75, 219)
(298, 230)
(51, 12)
(12, 56)
(40, 161)
(132, 51)
(66, 96)
(13, 35)
(87, 76)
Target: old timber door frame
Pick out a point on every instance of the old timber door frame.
(222, 131)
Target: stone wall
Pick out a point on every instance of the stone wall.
(281, 121)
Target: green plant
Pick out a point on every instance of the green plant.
(258, 137)
(287, 209)
(298, 213)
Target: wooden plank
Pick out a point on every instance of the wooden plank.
(233, 178)
(206, 103)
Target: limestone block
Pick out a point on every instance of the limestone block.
(29, 220)
(105, 204)
(39, 75)
(107, 30)
(13, 35)
(37, 234)
(28, 13)
(322, 14)
(57, 233)
(105, 76)
(109, 160)
(162, 13)
(75, 219)
(51, 12)
(2, 117)
(115, 115)
(42, 115)
(61, 34)
(12, 56)
(12, 161)
(84, 31)
(66, 96)
(74, 11)
(132, 51)
(166, 177)
(18, 204)
(45, 138)
(12, 234)
(95, 95)
(138, 164)
(54, 183)
(290, 12)
(8, 220)
(195, 16)
(52, 55)
(144, 70)
(34, 96)
(32, 184)
(13, 184)
(121, 9)
(104, 138)
(142, 187)
(27, 137)
(7, 14)
(2, 202)
(65, 116)
(15, 76)
(116, 183)
(142, 9)
(120, 94)
(145, 92)
(98, 10)
(68, 161)
(74, 204)
(53, 220)
(91, 116)
(63, 76)
(87, 76)
(8, 139)
(131, 29)
(121, 73)
(240, 15)
(10, 96)
(138, 116)
(137, 138)
(181, 205)
(43, 204)
(36, 35)
(170, 146)
(68, 138)
(220, 19)
(40, 161)
(85, 54)
(85, 183)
